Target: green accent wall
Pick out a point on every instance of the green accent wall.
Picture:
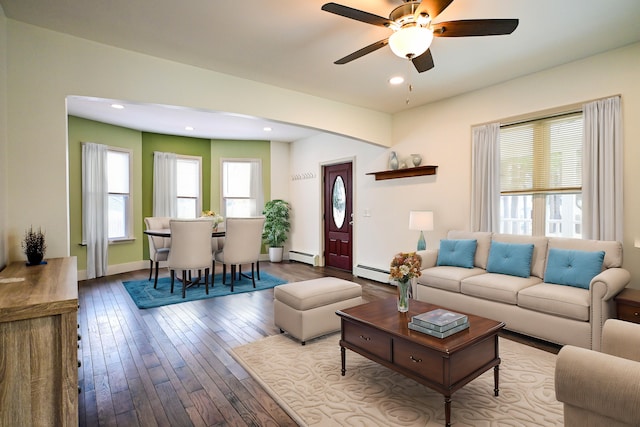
(82, 130)
(185, 146)
(233, 149)
(143, 145)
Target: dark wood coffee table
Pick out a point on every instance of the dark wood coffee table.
(379, 332)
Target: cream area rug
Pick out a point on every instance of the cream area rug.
(306, 382)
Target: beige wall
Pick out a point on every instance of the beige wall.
(44, 67)
(441, 132)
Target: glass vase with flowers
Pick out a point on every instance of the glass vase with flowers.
(405, 266)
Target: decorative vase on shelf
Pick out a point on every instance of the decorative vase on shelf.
(404, 288)
(393, 160)
(416, 159)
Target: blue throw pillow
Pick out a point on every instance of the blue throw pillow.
(457, 253)
(573, 268)
(513, 259)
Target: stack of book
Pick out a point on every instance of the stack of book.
(439, 323)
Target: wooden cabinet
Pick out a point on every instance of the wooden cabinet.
(628, 305)
(39, 344)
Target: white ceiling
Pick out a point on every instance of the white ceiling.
(293, 43)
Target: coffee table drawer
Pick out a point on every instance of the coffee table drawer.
(421, 361)
(368, 339)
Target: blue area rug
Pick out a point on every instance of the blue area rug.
(145, 296)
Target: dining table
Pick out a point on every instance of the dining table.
(166, 232)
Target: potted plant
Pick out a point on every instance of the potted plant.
(34, 246)
(276, 227)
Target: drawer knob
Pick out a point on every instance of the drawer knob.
(636, 314)
(365, 338)
(414, 360)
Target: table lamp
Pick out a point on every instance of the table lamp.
(423, 221)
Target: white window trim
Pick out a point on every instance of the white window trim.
(199, 160)
(130, 220)
(223, 205)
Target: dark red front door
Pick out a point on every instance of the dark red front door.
(338, 216)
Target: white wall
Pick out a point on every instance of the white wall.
(441, 132)
(44, 67)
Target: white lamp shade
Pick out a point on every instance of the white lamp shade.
(421, 220)
(410, 42)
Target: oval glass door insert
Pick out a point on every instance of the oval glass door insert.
(339, 202)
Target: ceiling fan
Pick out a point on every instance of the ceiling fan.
(413, 29)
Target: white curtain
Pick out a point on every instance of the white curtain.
(257, 193)
(95, 203)
(602, 170)
(165, 184)
(485, 178)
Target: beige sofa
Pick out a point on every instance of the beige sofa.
(602, 388)
(556, 313)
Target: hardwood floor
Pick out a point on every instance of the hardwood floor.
(171, 366)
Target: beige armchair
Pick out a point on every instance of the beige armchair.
(158, 246)
(242, 244)
(602, 388)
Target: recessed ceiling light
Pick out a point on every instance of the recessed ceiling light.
(266, 129)
(188, 128)
(117, 106)
(396, 80)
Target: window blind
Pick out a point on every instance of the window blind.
(542, 156)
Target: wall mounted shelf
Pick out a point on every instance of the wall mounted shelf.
(405, 173)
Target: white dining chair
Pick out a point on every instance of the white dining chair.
(242, 244)
(158, 246)
(190, 250)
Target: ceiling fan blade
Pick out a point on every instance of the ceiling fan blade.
(475, 27)
(423, 62)
(433, 7)
(358, 15)
(362, 52)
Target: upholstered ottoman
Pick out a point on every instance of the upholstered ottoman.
(307, 309)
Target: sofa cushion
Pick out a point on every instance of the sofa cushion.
(484, 241)
(566, 301)
(510, 258)
(447, 278)
(573, 268)
(497, 287)
(540, 243)
(457, 253)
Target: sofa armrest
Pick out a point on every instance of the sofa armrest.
(622, 339)
(598, 383)
(429, 258)
(604, 287)
(610, 283)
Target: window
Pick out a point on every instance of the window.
(119, 197)
(541, 177)
(189, 172)
(242, 192)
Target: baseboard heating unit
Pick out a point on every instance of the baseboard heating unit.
(304, 257)
(372, 273)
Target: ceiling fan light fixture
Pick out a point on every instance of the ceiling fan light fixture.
(411, 42)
